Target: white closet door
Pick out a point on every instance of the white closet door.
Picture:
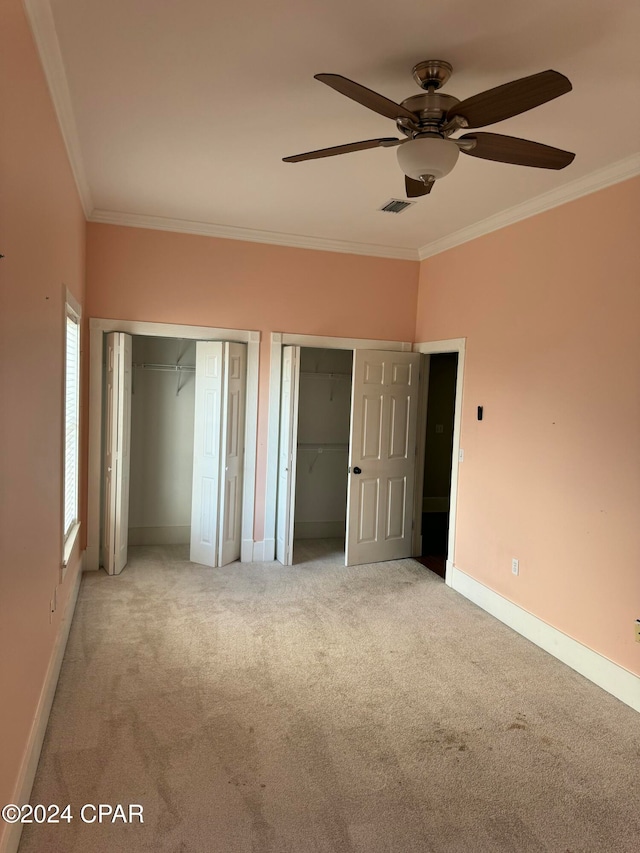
(117, 451)
(233, 407)
(206, 452)
(382, 456)
(287, 455)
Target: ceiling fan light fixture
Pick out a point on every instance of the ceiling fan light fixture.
(428, 155)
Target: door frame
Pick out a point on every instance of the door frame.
(278, 340)
(98, 327)
(457, 345)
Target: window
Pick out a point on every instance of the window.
(70, 523)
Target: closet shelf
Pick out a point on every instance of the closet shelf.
(176, 369)
(169, 367)
(331, 375)
(322, 446)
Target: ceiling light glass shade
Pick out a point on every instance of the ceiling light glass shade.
(427, 156)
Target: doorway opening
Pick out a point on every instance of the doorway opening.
(438, 461)
(324, 415)
(172, 468)
(99, 330)
(381, 444)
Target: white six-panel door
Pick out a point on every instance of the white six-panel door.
(117, 452)
(287, 453)
(206, 452)
(232, 443)
(382, 456)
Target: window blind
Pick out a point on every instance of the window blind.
(71, 423)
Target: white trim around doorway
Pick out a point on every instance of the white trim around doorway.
(278, 340)
(97, 329)
(434, 348)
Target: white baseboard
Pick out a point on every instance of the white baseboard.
(264, 551)
(11, 839)
(319, 529)
(621, 683)
(173, 535)
(269, 554)
(246, 551)
(258, 552)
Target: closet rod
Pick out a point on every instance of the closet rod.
(332, 375)
(320, 447)
(171, 367)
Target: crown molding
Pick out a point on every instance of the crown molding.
(601, 178)
(231, 232)
(43, 28)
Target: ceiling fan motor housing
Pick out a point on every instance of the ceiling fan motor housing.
(430, 109)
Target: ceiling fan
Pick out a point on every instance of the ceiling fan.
(427, 153)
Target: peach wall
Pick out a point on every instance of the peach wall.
(550, 309)
(164, 277)
(42, 232)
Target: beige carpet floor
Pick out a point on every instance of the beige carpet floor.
(320, 709)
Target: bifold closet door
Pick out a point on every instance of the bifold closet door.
(218, 452)
(287, 456)
(206, 452)
(380, 496)
(117, 452)
(234, 393)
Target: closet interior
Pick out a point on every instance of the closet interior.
(324, 414)
(162, 426)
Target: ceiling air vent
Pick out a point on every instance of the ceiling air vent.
(396, 205)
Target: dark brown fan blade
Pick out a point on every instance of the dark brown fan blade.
(366, 97)
(521, 152)
(416, 188)
(385, 142)
(511, 99)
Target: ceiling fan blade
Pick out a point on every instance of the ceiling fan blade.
(510, 149)
(366, 97)
(385, 142)
(510, 99)
(415, 189)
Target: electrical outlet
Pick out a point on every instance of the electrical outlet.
(637, 630)
(515, 566)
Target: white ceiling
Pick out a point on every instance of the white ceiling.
(177, 114)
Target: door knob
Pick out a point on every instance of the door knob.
(357, 470)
